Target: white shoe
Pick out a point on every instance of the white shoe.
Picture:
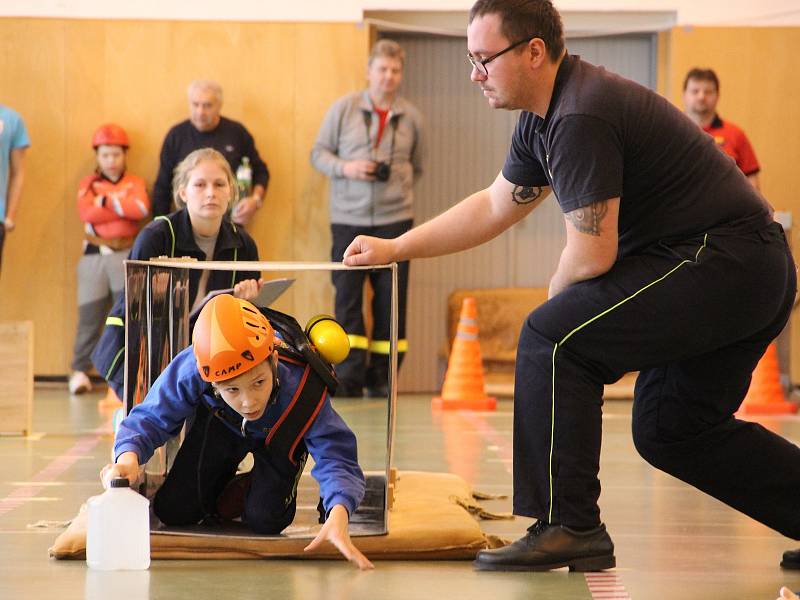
(79, 383)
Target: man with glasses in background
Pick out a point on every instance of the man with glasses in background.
(370, 146)
(662, 231)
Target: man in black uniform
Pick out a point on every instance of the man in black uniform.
(673, 267)
(207, 128)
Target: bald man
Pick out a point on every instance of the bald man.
(207, 128)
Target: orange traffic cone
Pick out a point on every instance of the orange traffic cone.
(765, 396)
(463, 383)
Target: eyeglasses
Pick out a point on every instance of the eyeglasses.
(480, 65)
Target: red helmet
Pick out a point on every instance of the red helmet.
(110, 135)
(230, 337)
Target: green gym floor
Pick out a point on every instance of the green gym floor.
(671, 541)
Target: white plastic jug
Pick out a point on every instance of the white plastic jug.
(118, 530)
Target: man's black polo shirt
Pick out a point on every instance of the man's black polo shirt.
(605, 136)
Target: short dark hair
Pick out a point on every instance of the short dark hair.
(523, 19)
(701, 75)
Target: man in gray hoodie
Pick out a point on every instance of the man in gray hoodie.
(369, 145)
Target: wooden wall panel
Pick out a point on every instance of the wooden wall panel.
(35, 283)
(759, 89)
(324, 82)
(65, 77)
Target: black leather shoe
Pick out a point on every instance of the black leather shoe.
(547, 547)
(791, 559)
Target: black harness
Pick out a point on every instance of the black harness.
(318, 379)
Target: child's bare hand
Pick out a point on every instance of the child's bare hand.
(127, 466)
(335, 531)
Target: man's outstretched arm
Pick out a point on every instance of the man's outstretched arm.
(475, 220)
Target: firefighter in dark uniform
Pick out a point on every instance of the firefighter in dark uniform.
(672, 267)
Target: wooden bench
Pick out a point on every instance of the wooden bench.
(16, 373)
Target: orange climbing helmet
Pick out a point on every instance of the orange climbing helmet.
(230, 337)
(110, 134)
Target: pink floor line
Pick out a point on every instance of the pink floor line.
(50, 473)
(606, 585)
(491, 435)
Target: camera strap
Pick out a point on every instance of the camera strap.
(392, 121)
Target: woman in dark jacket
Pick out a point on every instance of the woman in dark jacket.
(203, 188)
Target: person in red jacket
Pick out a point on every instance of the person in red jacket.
(700, 97)
(112, 205)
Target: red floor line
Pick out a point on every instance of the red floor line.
(606, 586)
(491, 435)
(609, 590)
(50, 473)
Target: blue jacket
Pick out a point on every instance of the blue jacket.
(171, 236)
(179, 389)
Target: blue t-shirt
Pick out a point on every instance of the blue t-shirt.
(13, 135)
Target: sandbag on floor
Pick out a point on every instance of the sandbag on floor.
(426, 522)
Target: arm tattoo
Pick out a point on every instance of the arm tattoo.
(587, 219)
(525, 195)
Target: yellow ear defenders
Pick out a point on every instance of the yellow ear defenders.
(328, 338)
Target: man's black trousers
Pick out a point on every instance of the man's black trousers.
(694, 317)
(271, 500)
(368, 362)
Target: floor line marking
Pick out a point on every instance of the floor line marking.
(606, 585)
(492, 436)
(39, 482)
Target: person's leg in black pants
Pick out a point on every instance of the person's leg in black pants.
(194, 478)
(349, 313)
(683, 424)
(381, 280)
(694, 318)
(271, 501)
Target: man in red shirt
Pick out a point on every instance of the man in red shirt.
(700, 97)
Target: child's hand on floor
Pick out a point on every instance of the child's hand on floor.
(335, 531)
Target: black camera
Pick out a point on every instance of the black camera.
(382, 171)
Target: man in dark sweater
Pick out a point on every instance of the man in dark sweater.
(206, 128)
(672, 267)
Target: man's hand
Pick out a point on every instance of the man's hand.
(366, 250)
(335, 531)
(127, 466)
(787, 594)
(9, 225)
(244, 210)
(248, 289)
(359, 169)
